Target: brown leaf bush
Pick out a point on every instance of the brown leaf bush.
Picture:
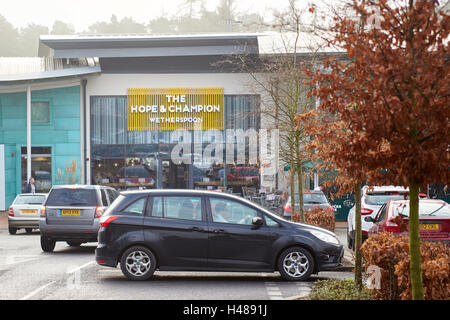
(391, 254)
(317, 217)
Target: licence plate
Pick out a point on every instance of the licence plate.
(429, 227)
(70, 212)
(28, 211)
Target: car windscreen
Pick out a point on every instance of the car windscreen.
(30, 199)
(72, 197)
(313, 198)
(435, 209)
(378, 199)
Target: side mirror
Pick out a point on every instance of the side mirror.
(257, 222)
(370, 219)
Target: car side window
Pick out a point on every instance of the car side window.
(270, 222)
(229, 211)
(187, 208)
(104, 198)
(157, 209)
(178, 207)
(381, 213)
(137, 207)
(112, 195)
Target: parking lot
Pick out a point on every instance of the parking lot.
(71, 273)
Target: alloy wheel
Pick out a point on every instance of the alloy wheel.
(138, 263)
(296, 264)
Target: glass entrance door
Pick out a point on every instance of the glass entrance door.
(41, 168)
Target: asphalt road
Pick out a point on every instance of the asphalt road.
(27, 273)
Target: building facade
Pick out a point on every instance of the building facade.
(68, 117)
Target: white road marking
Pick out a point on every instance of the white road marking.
(80, 267)
(28, 296)
(273, 291)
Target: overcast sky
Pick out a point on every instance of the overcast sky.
(83, 13)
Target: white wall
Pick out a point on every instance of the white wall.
(117, 84)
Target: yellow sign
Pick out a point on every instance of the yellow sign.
(172, 109)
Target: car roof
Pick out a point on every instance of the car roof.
(420, 200)
(178, 191)
(32, 194)
(384, 188)
(78, 186)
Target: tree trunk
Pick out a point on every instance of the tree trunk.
(358, 237)
(415, 268)
(292, 189)
(300, 187)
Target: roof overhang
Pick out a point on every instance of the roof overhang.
(9, 79)
(150, 46)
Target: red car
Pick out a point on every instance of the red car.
(434, 219)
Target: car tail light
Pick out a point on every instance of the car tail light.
(105, 221)
(43, 211)
(99, 211)
(11, 212)
(287, 208)
(391, 227)
(366, 211)
(330, 209)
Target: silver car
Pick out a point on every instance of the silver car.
(71, 214)
(311, 199)
(24, 212)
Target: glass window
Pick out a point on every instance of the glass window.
(112, 195)
(104, 198)
(157, 210)
(377, 199)
(381, 213)
(426, 209)
(229, 211)
(189, 208)
(41, 169)
(137, 206)
(72, 197)
(40, 112)
(30, 199)
(270, 222)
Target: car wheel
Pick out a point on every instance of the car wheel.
(295, 264)
(28, 230)
(137, 263)
(12, 230)
(47, 244)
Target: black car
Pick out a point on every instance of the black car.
(208, 231)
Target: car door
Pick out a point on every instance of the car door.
(234, 242)
(176, 229)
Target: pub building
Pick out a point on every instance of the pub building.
(136, 112)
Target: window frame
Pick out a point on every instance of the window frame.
(210, 217)
(151, 201)
(144, 213)
(39, 122)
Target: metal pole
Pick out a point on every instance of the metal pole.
(28, 132)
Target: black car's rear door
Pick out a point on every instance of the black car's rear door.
(176, 228)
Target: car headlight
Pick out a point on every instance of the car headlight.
(325, 237)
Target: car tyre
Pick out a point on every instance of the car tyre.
(12, 230)
(47, 244)
(295, 264)
(138, 263)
